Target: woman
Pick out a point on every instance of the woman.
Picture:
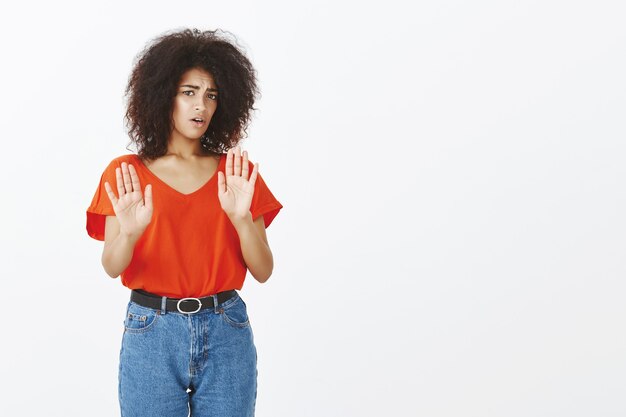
(184, 245)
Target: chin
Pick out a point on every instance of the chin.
(194, 136)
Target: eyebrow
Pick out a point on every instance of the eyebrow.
(195, 87)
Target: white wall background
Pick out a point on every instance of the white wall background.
(453, 237)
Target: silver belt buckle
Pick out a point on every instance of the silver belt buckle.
(189, 298)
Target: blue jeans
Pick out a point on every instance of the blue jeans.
(174, 364)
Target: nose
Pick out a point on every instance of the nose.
(199, 105)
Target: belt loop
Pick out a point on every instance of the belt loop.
(215, 303)
(163, 305)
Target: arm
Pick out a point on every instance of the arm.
(132, 215)
(235, 193)
(254, 247)
(118, 248)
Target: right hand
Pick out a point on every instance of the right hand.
(132, 212)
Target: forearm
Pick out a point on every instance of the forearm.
(256, 253)
(117, 256)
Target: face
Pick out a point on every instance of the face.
(194, 104)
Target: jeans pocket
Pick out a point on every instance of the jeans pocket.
(140, 319)
(236, 314)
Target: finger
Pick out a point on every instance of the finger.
(237, 161)
(126, 174)
(245, 169)
(255, 172)
(229, 163)
(221, 184)
(147, 200)
(110, 193)
(134, 178)
(120, 182)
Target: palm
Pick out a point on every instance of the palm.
(132, 212)
(235, 190)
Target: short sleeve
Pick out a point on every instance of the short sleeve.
(263, 201)
(101, 206)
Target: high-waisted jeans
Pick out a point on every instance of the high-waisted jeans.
(175, 365)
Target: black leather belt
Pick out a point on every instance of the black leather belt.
(187, 305)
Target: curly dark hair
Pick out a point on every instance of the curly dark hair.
(152, 88)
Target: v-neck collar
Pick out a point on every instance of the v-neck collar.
(220, 166)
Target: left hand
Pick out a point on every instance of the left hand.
(234, 189)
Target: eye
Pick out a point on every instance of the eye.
(212, 96)
(188, 91)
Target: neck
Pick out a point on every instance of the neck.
(183, 148)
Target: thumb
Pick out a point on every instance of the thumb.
(147, 201)
(221, 183)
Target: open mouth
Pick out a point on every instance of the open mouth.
(198, 121)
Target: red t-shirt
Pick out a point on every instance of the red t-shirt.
(190, 248)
